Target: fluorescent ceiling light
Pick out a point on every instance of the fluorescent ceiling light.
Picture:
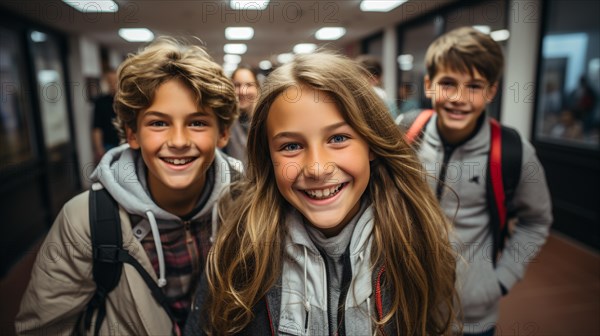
(500, 35)
(232, 58)
(405, 59)
(47, 76)
(406, 62)
(136, 34)
(285, 58)
(37, 36)
(93, 6)
(229, 67)
(482, 28)
(265, 65)
(380, 5)
(239, 33)
(304, 48)
(249, 4)
(330, 33)
(235, 48)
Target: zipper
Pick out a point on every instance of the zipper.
(192, 248)
(329, 317)
(440, 185)
(269, 316)
(346, 280)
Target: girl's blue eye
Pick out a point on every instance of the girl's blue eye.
(339, 138)
(291, 147)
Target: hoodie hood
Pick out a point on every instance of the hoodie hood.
(304, 299)
(122, 173)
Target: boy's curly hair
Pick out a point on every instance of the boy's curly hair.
(168, 58)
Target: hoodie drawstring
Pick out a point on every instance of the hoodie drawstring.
(162, 281)
(306, 298)
(215, 215)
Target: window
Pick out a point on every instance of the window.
(568, 95)
(16, 130)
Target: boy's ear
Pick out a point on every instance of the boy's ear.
(223, 138)
(427, 86)
(132, 138)
(490, 93)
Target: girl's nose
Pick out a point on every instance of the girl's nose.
(317, 166)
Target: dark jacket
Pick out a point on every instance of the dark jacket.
(266, 311)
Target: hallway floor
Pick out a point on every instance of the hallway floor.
(560, 294)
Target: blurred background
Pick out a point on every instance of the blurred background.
(53, 55)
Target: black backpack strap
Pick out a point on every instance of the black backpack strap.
(511, 160)
(109, 256)
(105, 228)
(160, 297)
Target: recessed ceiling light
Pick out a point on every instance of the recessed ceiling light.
(249, 4)
(93, 6)
(239, 33)
(235, 48)
(380, 5)
(229, 67)
(406, 62)
(304, 48)
(405, 59)
(500, 35)
(285, 58)
(136, 34)
(232, 58)
(265, 65)
(37, 36)
(483, 28)
(330, 33)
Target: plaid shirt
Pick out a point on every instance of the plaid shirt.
(185, 251)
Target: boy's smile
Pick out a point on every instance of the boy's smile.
(177, 140)
(459, 100)
(321, 164)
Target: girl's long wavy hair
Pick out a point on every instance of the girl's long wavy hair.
(410, 230)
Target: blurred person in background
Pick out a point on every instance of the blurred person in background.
(104, 133)
(373, 66)
(247, 87)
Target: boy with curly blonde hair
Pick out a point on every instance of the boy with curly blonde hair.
(174, 106)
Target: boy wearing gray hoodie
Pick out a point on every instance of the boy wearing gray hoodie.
(463, 70)
(174, 107)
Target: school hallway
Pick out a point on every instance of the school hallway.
(559, 296)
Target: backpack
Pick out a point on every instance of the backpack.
(108, 258)
(109, 255)
(503, 170)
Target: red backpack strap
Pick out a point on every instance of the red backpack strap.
(496, 171)
(417, 126)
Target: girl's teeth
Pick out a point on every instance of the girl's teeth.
(323, 193)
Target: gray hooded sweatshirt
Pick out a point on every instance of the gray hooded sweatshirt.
(122, 173)
(463, 198)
